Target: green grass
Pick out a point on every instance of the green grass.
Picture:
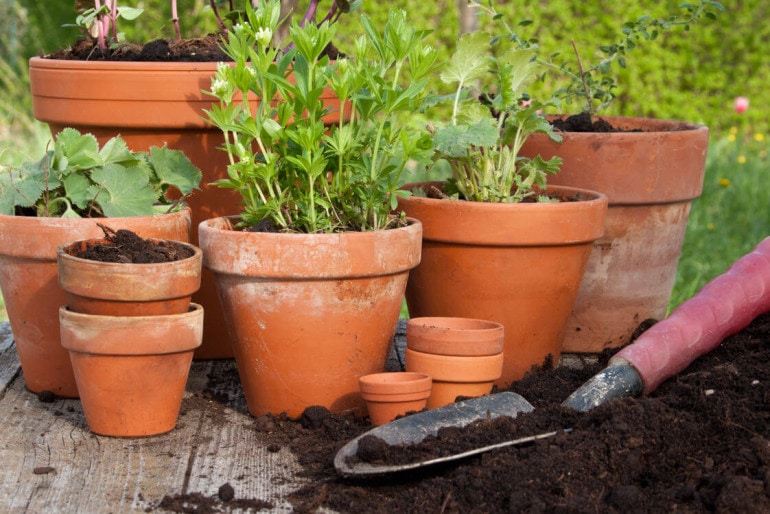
(732, 215)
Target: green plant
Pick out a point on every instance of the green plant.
(286, 163)
(78, 179)
(594, 85)
(483, 139)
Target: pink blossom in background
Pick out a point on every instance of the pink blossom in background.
(741, 104)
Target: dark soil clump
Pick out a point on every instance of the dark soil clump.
(127, 247)
(204, 49)
(700, 443)
(583, 123)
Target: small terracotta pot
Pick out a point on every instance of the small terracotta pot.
(389, 395)
(127, 289)
(455, 336)
(131, 372)
(455, 376)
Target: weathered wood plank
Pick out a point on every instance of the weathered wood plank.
(9, 360)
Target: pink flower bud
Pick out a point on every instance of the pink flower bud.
(741, 104)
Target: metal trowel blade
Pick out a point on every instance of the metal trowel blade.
(413, 429)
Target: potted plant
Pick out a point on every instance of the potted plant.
(311, 275)
(129, 328)
(61, 198)
(499, 243)
(651, 170)
(153, 103)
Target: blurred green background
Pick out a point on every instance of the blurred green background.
(690, 75)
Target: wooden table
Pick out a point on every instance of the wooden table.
(52, 463)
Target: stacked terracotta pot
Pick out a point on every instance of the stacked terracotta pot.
(131, 331)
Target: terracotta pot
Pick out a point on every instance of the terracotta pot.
(127, 289)
(389, 395)
(28, 279)
(455, 336)
(454, 375)
(516, 264)
(150, 104)
(131, 371)
(650, 177)
(309, 314)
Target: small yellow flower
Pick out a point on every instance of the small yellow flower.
(724, 182)
(733, 130)
(759, 137)
(710, 226)
(741, 159)
(731, 138)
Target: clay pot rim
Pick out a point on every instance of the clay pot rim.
(449, 368)
(142, 326)
(395, 383)
(458, 336)
(63, 251)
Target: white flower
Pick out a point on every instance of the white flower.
(219, 87)
(264, 36)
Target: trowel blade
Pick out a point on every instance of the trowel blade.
(413, 429)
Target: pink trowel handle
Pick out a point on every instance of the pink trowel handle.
(724, 306)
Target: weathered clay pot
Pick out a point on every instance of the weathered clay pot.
(151, 104)
(309, 314)
(131, 371)
(28, 279)
(453, 375)
(651, 175)
(518, 264)
(455, 336)
(389, 395)
(127, 289)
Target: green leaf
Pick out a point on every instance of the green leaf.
(123, 191)
(116, 150)
(456, 140)
(80, 151)
(470, 60)
(76, 188)
(173, 168)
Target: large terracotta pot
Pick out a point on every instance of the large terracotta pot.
(516, 264)
(651, 175)
(28, 279)
(127, 289)
(150, 104)
(309, 314)
(131, 371)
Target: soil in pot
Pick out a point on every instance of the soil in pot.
(700, 443)
(127, 247)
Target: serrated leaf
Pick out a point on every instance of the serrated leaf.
(517, 71)
(470, 60)
(76, 188)
(456, 140)
(173, 168)
(123, 191)
(116, 150)
(81, 151)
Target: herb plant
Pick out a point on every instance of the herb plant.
(78, 179)
(594, 84)
(482, 141)
(289, 167)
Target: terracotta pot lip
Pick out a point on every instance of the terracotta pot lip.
(395, 383)
(452, 368)
(657, 125)
(63, 253)
(455, 336)
(140, 325)
(74, 64)
(587, 196)
(231, 221)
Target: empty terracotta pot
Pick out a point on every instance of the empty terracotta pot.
(389, 395)
(455, 336)
(131, 372)
(128, 289)
(455, 376)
